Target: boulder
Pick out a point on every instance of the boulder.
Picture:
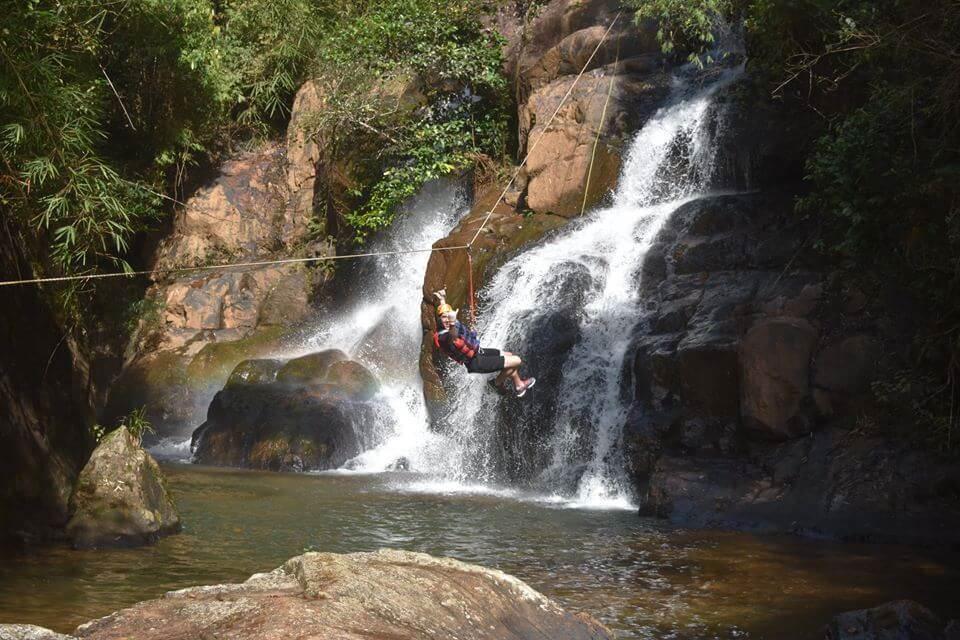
(176, 385)
(386, 594)
(354, 379)
(29, 632)
(775, 373)
(847, 365)
(897, 620)
(121, 497)
(314, 415)
(262, 371)
(311, 368)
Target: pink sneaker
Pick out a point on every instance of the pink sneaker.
(523, 386)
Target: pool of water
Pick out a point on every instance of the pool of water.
(641, 577)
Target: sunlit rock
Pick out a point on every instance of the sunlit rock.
(386, 594)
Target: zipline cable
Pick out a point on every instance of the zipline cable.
(260, 263)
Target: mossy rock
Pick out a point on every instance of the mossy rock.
(217, 359)
(353, 378)
(256, 371)
(310, 369)
(121, 497)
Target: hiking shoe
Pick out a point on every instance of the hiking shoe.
(523, 386)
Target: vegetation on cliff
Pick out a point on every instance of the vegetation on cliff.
(109, 110)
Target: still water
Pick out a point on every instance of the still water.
(643, 578)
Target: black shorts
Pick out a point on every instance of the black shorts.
(486, 361)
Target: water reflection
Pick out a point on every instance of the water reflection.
(640, 577)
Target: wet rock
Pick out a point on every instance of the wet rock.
(354, 379)
(395, 594)
(897, 620)
(775, 371)
(255, 371)
(313, 417)
(746, 378)
(311, 368)
(177, 385)
(29, 632)
(121, 497)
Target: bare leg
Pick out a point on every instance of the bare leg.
(511, 369)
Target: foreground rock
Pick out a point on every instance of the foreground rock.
(387, 594)
(310, 413)
(121, 497)
(897, 620)
(29, 632)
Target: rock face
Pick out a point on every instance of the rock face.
(898, 620)
(544, 56)
(387, 594)
(121, 498)
(310, 413)
(751, 377)
(198, 325)
(553, 50)
(45, 406)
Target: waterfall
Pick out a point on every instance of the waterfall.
(381, 328)
(570, 306)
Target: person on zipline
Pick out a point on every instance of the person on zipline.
(462, 345)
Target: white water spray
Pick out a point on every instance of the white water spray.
(383, 329)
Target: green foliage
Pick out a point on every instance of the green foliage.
(683, 25)
(419, 84)
(137, 424)
(884, 179)
(105, 105)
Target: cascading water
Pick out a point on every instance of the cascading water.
(381, 331)
(570, 306)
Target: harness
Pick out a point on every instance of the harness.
(463, 348)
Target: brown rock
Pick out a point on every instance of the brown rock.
(387, 594)
(239, 214)
(847, 366)
(775, 372)
(900, 619)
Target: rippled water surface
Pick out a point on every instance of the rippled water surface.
(641, 577)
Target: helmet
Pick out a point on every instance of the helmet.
(444, 309)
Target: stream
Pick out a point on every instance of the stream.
(643, 578)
